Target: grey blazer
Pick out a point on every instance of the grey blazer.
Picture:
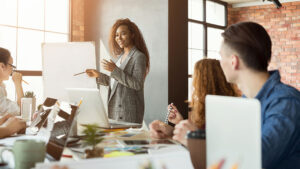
(126, 98)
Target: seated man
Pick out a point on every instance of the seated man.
(10, 125)
(245, 55)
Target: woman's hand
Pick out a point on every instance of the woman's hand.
(4, 118)
(14, 125)
(108, 65)
(181, 130)
(174, 116)
(17, 78)
(160, 130)
(92, 73)
(59, 167)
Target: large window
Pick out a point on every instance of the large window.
(207, 19)
(24, 26)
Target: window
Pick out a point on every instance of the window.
(207, 19)
(24, 26)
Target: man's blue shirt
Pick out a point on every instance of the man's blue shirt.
(280, 118)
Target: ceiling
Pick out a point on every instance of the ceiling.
(240, 1)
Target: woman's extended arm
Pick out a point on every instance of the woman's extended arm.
(136, 80)
(101, 78)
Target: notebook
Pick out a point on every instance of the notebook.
(233, 132)
(92, 110)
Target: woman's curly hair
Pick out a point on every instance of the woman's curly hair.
(208, 78)
(138, 40)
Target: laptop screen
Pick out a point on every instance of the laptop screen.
(62, 126)
(42, 115)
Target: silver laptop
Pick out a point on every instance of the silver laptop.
(92, 110)
(233, 132)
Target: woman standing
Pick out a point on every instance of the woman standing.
(128, 72)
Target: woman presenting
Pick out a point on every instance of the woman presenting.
(128, 72)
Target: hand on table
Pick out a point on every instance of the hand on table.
(181, 130)
(59, 167)
(160, 130)
(4, 118)
(14, 125)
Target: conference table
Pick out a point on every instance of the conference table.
(159, 156)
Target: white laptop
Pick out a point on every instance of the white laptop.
(92, 110)
(233, 132)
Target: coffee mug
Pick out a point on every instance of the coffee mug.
(27, 153)
(4, 165)
(197, 148)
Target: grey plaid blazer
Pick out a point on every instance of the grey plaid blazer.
(126, 98)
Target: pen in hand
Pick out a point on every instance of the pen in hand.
(168, 113)
(78, 73)
(25, 82)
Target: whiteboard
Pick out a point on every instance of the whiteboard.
(61, 61)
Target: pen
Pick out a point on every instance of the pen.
(78, 73)
(168, 113)
(25, 82)
(80, 102)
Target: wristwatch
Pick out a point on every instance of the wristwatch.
(98, 80)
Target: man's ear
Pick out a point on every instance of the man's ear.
(2, 65)
(235, 62)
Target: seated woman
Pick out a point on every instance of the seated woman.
(208, 78)
(10, 125)
(6, 69)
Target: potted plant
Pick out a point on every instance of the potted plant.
(91, 138)
(28, 103)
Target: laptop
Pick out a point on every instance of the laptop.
(53, 127)
(61, 127)
(42, 116)
(92, 110)
(233, 132)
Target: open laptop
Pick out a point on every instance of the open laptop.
(61, 127)
(233, 132)
(92, 110)
(54, 127)
(42, 116)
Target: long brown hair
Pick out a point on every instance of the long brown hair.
(208, 78)
(138, 40)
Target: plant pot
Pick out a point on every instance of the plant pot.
(95, 152)
(27, 107)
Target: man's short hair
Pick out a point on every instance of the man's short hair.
(252, 42)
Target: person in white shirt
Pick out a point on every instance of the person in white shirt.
(7, 69)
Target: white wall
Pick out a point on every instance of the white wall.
(151, 16)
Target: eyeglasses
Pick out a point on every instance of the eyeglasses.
(13, 67)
